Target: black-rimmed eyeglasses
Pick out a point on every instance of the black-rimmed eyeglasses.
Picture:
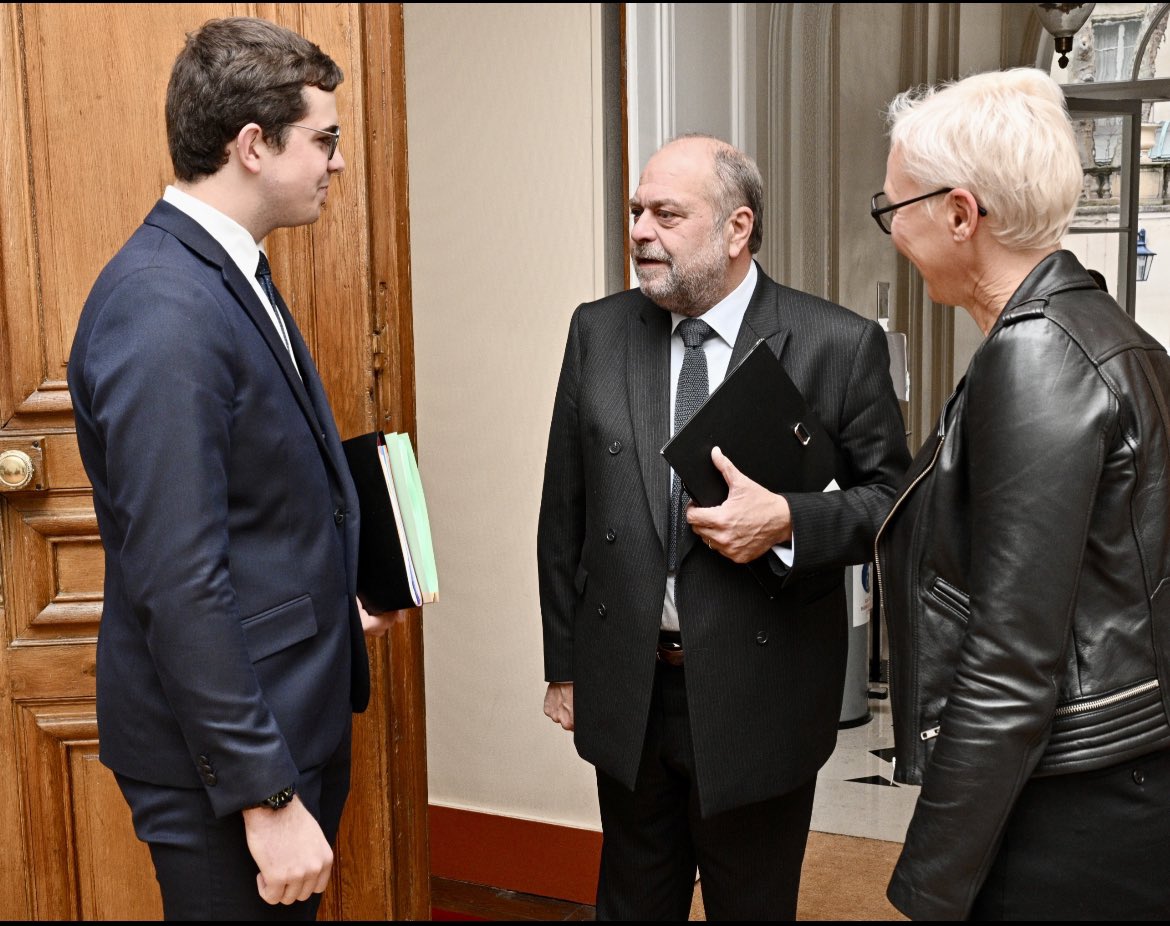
(335, 135)
(883, 210)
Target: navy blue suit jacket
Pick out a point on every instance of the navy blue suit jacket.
(230, 652)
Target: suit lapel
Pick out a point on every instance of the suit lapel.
(234, 278)
(322, 416)
(761, 320)
(648, 385)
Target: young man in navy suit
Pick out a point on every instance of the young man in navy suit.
(706, 705)
(231, 653)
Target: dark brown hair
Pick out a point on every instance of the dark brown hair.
(234, 71)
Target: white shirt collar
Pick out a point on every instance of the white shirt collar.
(230, 234)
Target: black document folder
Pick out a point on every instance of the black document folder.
(759, 419)
(386, 580)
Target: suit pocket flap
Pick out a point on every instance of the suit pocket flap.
(279, 628)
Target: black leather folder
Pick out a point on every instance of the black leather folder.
(759, 419)
(384, 569)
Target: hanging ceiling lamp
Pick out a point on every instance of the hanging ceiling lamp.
(1062, 20)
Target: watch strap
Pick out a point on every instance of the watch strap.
(281, 798)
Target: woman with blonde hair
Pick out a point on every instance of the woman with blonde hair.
(1025, 567)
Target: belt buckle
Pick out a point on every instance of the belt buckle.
(670, 652)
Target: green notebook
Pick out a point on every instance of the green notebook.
(413, 505)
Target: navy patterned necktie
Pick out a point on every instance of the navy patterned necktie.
(264, 276)
(691, 392)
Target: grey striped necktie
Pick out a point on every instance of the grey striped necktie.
(690, 393)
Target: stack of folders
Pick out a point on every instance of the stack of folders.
(396, 558)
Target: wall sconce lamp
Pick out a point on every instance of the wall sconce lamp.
(1062, 20)
(1145, 257)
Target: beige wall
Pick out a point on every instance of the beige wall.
(503, 108)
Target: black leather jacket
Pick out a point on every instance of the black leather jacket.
(1025, 576)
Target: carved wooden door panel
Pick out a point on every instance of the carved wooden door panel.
(83, 158)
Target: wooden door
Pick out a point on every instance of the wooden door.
(83, 158)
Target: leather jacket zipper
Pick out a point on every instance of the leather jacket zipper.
(910, 488)
(877, 565)
(942, 435)
(1081, 707)
(1068, 710)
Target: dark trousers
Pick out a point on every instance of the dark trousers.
(202, 862)
(1086, 846)
(653, 838)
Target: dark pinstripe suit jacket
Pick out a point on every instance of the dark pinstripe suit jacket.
(764, 676)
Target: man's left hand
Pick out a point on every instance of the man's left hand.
(292, 854)
(749, 523)
(378, 625)
(558, 704)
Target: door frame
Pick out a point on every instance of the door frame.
(1130, 112)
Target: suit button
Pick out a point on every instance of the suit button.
(1139, 777)
(610, 535)
(210, 780)
(601, 612)
(615, 447)
(339, 516)
(762, 637)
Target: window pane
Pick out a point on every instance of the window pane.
(1103, 52)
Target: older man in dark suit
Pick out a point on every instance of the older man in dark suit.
(706, 705)
(231, 653)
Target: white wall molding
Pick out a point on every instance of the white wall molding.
(738, 76)
(800, 155)
(667, 77)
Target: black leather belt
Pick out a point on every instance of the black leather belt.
(670, 648)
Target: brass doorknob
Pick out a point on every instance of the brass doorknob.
(16, 470)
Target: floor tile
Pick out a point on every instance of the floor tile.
(856, 794)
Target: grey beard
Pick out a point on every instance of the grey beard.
(690, 291)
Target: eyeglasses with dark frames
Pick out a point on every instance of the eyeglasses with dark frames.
(335, 135)
(883, 211)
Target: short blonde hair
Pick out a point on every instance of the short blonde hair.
(1006, 137)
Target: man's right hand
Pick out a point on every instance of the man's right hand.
(378, 624)
(558, 703)
(293, 855)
